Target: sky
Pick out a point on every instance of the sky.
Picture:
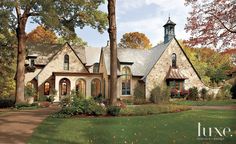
(145, 16)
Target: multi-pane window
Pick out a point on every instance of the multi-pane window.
(174, 60)
(46, 88)
(176, 84)
(66, 62)
(126, 80)
(95, 87)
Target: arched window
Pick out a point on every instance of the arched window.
(46, 88)
(95, 87)
(80, 87)
(174, 60)
(64, 86)
(66, 62)
(126, 81)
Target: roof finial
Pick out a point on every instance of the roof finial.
(169, 16)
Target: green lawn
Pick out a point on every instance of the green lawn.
(206, 103)
(162, 128)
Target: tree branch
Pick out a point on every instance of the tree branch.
(228, 29)
(18, 13)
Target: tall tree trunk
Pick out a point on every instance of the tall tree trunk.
(20, 71)
(113, 50)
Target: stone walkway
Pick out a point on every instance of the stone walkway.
(16, 127)
(214, 107)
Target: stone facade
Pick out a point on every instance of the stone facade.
(156, 76)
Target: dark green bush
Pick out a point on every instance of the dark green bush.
(160, 95)
(139, 94)
(113, 110)
(29, 91)
(5, 103)
(193, 93)
(99, 98)
(233, 89)
(203, 93)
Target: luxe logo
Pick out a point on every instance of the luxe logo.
(207, 133)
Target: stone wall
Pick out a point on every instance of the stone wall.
(156, 77)
(57, 65)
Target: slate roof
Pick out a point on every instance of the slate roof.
(88, 55)
(143, 60)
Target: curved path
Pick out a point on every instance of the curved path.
(17, 126)
(233, 107)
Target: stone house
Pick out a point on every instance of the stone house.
(87, 70)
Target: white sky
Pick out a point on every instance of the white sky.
(146, 16)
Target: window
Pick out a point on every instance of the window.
(176, 84)
(126, 80)
(95, 68)
(66, 62)
(64, 86)
(174, 60)
(32, 62)
(46, 88)
(95, 87)
(80, 87)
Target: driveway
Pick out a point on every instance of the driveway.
(16, 127)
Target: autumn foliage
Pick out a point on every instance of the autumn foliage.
(135, 40)
(212, 23)
(41, 35)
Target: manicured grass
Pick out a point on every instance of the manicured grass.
(153, 129)
(206, 103)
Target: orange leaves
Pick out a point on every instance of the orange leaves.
(41, 35)
(135, 40)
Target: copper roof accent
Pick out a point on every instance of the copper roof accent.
(174, 73)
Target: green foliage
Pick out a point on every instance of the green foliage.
(139, 94)
(212, 66)
(151, 109)
(160, 95)
(72, 41)
(113, 110)
(29, 91)
(203, 93)
(233, 89)
(193, 93)
(224, 93)
(99, 98)
(6, 102)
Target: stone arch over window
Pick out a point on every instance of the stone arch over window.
(95, 87)
(46, 88)
(126, 80)
(64, 87)
(174, 60)
(66, 62)
(80, 86)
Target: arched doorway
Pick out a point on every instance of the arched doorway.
(80, 87)
(64, 86)
(95, 87)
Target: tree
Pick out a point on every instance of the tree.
(60, 15)
(113, 48)
(41, 35)
(73, 41)
(135, 40)
(212, 23)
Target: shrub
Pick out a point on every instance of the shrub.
(160, 95)
(233, 89)
(224, 93)
(44, 104)
(113, 110)
(6, 102)
(29, 91)
(203, 93)
(193, 93)
(66, 101)
(99, 98)
(139, 94)
(42, 98)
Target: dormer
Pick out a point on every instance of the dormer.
(31, 62)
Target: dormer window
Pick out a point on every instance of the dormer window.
(31, 62)
(174, 60)
(66, 62)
